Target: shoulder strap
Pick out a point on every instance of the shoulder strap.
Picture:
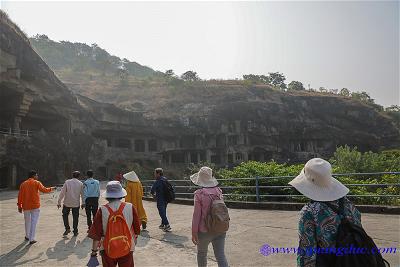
(339, 211)
(121, 208)
(110, 211)
(211, 202)
(212, 199)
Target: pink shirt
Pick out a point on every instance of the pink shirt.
(71, 192)
(202, 203)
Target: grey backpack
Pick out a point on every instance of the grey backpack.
(217, 220)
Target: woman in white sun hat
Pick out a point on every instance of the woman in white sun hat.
(134, 195)
(319, 220)
(114, 194)
(202, 202)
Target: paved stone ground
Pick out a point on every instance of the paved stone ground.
(250, 229)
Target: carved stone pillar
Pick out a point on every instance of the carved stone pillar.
(17, 124)
(13, 176)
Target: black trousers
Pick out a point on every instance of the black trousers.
(91, 206)
(75, 218)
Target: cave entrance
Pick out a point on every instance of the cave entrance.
(4, 176)
(178, 157)
(139, 145)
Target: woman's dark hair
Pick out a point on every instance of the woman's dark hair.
(113, 199)
(32, 173)
(89, 173)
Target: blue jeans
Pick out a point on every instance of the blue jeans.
(218, 243)
(162, 210)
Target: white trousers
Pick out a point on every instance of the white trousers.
(31, 219)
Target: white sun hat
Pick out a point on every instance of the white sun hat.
(315, 181)
(131, 176)
(114, 190)
(204, 178)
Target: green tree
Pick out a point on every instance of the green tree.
(344, 92)
(277, 79)
(169, 73)
(41, 37)
(394, 112)
(334, 91)
(256, 78)
(123, 74)
(393, 108)
(296, 86)
(363, 97)
(323, 89)
(102, 58)
(190, 76)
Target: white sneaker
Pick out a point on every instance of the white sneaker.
(167, 228)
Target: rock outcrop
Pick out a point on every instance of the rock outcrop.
(41, 122)
(48, 127)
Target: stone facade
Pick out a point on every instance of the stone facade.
(45, 126)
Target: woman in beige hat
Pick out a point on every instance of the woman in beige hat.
(134, 195)
(319, 220)
(202, 201)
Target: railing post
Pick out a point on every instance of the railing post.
(257, 190)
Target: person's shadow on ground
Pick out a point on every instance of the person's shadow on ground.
(64, 248)
(11, 258)
(143, 238)
(177, 240)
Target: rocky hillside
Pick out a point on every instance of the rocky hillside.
(33, 98)
(280, 116)
(115, 116)
(78, 57)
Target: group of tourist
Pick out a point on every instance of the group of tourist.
(116, 225)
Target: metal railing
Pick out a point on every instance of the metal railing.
(261, 191)
(10, 131)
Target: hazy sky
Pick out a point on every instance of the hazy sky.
(329, 44)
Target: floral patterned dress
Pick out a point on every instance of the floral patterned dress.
(318, 227)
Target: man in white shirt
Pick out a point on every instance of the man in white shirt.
(72, 193)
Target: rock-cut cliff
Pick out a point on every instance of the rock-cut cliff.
(157, 121)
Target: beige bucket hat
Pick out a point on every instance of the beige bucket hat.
(131, 176)
(315, 181)
(204, 178)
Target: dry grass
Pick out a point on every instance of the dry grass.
(5, 19)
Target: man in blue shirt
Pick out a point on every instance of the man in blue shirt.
(158, 191)
(91, 194)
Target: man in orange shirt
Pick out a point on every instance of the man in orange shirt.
(29, 203)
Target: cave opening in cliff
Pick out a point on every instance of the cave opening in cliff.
(152, 145)
(178, 157)
(123, 143)
(4, 174)
(139, 145)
